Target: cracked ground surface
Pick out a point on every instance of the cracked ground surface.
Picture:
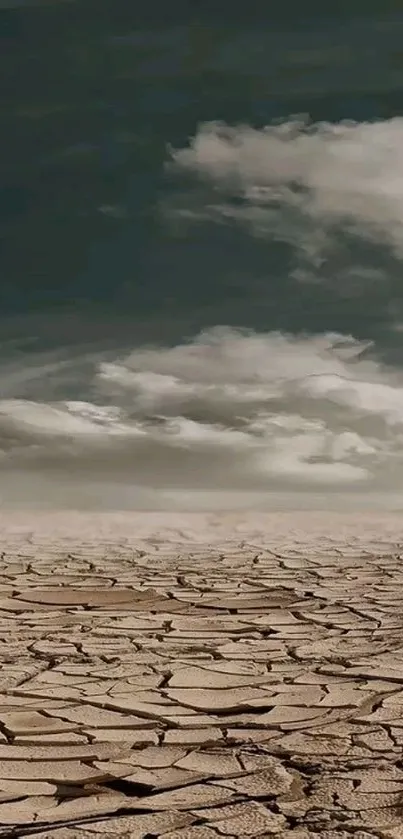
(198, 685)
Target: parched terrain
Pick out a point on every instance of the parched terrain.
(248, 687)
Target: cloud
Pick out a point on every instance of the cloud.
(299, 182)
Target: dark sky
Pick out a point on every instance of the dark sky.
(92, 96)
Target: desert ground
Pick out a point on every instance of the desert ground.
(200, 676)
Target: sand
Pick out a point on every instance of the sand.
(201, 675)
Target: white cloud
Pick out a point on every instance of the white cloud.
(299, 181)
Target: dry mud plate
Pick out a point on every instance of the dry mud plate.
(201, 677)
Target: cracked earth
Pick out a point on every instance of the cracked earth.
(199, 684)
